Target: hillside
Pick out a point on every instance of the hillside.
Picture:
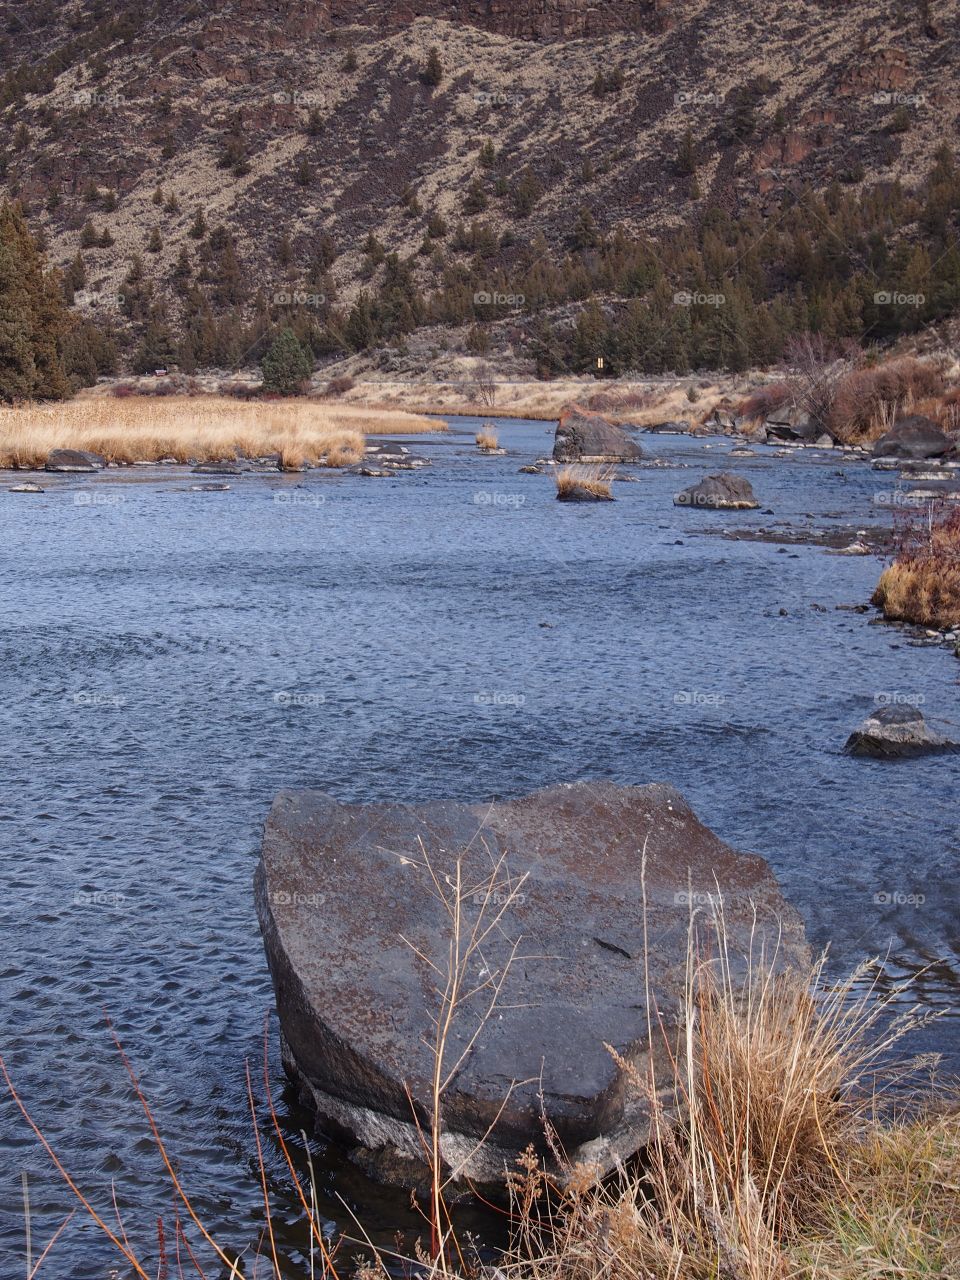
(195, 166)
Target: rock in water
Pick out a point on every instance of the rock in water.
(723, 490)
(73, 460)
(896, 732)
(914, 437)
(223, 467)
(582, 437)
(352, 923)
(28, 486)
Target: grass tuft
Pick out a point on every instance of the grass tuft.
(596, 481)
(487, 439)
(923, 583)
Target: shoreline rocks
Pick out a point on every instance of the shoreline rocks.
(723, 491)
(352, 924)
(915, 437)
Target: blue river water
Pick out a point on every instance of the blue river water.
(169, 659)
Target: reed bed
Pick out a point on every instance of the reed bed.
(197, 429)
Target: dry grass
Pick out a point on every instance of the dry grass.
(766, 400)
(593, 480)
(487, 439)
(923, 583)
(769, 1159)
(202, 429)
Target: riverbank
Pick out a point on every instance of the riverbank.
(136, 428)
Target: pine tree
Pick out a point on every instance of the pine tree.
(432, 73)
(286, 366)
(33, 317)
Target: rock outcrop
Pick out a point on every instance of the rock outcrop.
(914, 437)
(721, 491)
(895, 732)
(357, 940)
(73, 460)
(585, 437)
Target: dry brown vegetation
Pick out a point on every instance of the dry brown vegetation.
(207, 428)
(594, 480)
(923, 583)
(487, 439)
(866, 402)
(769, 1156)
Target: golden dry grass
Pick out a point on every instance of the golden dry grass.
(487, 438)
(594, 480)
(202, 429)
(923, 583)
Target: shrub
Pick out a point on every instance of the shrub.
(432, 73)
(340, 386)
(766, 400)
(923, 583)
(865, 401)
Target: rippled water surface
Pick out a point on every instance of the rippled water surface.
(170, 659)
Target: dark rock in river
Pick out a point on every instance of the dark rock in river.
(914, 437)
(792, 424)
(73, 460)
(721, 491)
(895, 732)
(352, 923)
(583, 437)
(220, 469)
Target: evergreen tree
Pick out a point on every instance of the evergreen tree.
(33, 317)
(432, 73)
(286, 366)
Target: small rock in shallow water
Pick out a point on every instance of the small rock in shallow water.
(209, 488)
(896, 732)
(27, 487)
(723, 491)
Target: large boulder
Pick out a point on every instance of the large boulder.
(583, 437)
(357, 939)
(73, 460)
(895, 732)
(791, 423)
(721, 491)
(914, 437)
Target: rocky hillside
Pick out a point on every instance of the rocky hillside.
(296, 130)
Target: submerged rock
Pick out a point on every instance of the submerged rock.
(724, 490)
(914, 437)
(209, 488)
(28, 486)
(352, 923)
(74, 460)
(583, 437)
(895, 732)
